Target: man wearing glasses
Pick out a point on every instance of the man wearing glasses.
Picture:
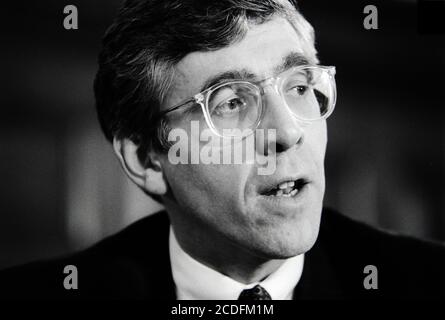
(228, 232)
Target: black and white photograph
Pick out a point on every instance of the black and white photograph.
(223, 150)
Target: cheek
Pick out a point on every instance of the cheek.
(201, 166)
(202, 187)
(316, 138)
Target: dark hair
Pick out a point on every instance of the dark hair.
(149, 37)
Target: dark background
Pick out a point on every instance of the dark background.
(61, 188)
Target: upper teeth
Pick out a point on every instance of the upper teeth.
(285, 185)
(286, 189)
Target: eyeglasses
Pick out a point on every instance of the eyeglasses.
(231, 107)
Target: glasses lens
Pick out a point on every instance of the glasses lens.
(309, 92)
(234, 106)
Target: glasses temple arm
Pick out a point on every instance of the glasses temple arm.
(176, 107)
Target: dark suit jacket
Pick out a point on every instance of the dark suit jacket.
(135, 263)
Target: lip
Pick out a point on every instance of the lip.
(285, 205)
(272, 184)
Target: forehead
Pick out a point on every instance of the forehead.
(260, 52)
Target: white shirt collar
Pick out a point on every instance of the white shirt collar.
(196, 281)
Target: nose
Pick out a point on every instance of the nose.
(289, 130)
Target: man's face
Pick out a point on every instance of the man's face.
(232, 201)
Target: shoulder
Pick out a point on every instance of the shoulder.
(352, 233)
(406, 266)
(121, 265)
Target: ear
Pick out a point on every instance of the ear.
(150, 179)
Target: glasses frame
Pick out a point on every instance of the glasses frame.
(202, 98)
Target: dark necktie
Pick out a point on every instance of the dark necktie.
(255, 293)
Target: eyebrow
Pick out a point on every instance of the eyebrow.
(293, 59)
(225, 76)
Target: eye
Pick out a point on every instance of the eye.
(298, 89)
(230, 106)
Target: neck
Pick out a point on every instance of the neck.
(218, 253)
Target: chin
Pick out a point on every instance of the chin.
(287, 240)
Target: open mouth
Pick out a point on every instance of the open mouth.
(287, 188)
